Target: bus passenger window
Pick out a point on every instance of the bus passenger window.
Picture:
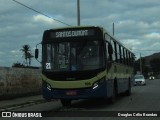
(115, 48)
(114, 53)
(124, 56)
(110, 51)
(120, 54)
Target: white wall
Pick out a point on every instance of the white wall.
(15, 81)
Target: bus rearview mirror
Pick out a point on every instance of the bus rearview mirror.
(36, 53)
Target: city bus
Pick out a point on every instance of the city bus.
(84, 63)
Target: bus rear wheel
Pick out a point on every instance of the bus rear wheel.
(66, 103)
(128, 92)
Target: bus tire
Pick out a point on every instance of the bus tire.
(113, 98)
(66, 103)
(128, 92)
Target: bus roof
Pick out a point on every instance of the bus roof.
(72, 27)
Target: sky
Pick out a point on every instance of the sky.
(137, 23)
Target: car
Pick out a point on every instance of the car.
(151, 77)
(139, 80)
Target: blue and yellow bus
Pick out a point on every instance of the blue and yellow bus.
(83, 63)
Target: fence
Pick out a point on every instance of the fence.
(19, 81)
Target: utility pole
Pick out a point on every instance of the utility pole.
(78, 13)
(113, 29)
(141, 64)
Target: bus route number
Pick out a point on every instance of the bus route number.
(48, 66)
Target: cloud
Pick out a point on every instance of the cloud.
(155, 45)
(131, 43)
(43, 19)
(6, 29)
(156, 25)
(15, 52)
(153, 36)
(2, 53)
(136, 22)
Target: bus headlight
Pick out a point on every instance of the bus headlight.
(95, 85)
(48, 86)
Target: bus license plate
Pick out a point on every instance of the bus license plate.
(71, 93)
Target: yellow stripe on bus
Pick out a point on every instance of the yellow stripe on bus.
(74, 84)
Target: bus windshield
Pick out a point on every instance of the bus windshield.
(73, 56)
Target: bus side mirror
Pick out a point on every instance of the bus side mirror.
(36, 53)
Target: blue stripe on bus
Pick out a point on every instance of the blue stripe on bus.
(86, 93)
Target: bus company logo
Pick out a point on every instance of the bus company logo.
(6, 114)
(21, 114)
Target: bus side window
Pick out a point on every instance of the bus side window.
(110, 51)
(107, 54)
(133, 59)
(121, 50)
(114, 50)
(127, 58)
(120, 57)
(116, 55)
(124, 56)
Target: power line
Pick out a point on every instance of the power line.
(40, 12)
(145, 50)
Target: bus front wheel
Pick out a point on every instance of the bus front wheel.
(66, 103)
(113, 98)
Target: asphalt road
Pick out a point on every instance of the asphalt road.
(144, 101)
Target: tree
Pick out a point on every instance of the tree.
(18, 64)
(27, 54)
(30, 56)
(155, 63)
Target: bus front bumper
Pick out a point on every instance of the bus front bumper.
(99, 91)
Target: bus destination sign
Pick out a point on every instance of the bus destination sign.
(72, 33)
